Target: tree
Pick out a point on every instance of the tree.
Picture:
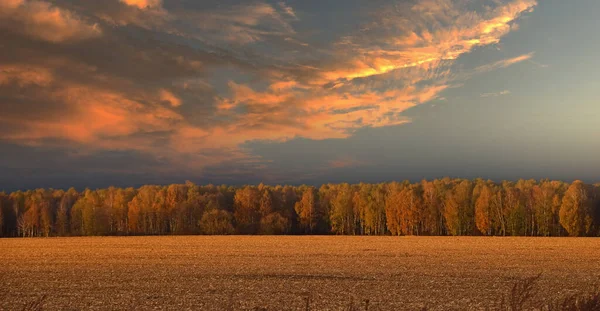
(193, 209)
(543, 206)
(513, 210)
(46, 220)
(483, 211)
(94, 217)
(217, 222)
(247, 210)
(575, 211)
(63, 213)
(120, 210)
(393, 206)
(458, 211)
(439, 207)
(175, 204)
(2, 218)
(266, 202)
(369, 203)
(452, 214)
(274, 223)
(342, 211)
(306, 209)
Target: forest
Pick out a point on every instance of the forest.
(438, 207)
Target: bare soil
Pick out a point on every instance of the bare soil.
(281, 273)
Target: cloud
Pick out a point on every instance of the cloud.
(396, 63)
(504, 63)
(23, 75)
(344, 162)
(287, 9)
(243, 23)
(496, 94)
(145, 14)
(440, 30)
(170, 98)
(42, 20)
(143, 4)
(90, 115)
(191, 86)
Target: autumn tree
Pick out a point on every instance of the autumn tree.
(575, 211)
(143, 209)
(2, 212)
(175, 205)
(393, 204)
(409, 201)
(458, 211)
(544, 198)
(438, 207)
(342, 211)
(247, 210)
(216, 222)
(63, 212)
(307, 212)
(483, 210)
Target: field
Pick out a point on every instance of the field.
(281, 273)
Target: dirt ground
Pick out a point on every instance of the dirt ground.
(282, 273)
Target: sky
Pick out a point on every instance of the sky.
(133, 92)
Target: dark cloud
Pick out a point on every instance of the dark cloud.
(148, 88)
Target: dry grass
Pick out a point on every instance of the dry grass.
(295, 273)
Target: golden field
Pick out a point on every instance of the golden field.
(280, 272)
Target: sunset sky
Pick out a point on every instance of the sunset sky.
(132, 92)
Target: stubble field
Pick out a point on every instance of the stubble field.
(280, 273)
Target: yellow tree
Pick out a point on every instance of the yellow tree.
(176, 197)
(575, 211)
(216, 222)
(2, 199)
(409, 207)
(341, 214)
(432, 209)
(482, 210)
(306, 209)
(393, 204)
(458, 211)
(120, 210)
(142, 210)
(543, 201)
(64, 210)
(247, 210)
(452, 214)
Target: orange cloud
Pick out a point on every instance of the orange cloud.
(420, 46)
(143, 4)
(95, 117)
(25, 75)
(365, 80)
(40, 19)
(167, 96)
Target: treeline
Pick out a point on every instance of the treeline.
(439, 207)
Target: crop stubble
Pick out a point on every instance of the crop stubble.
(280, 272)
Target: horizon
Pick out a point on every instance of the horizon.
(136, 92)
(316, 186)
